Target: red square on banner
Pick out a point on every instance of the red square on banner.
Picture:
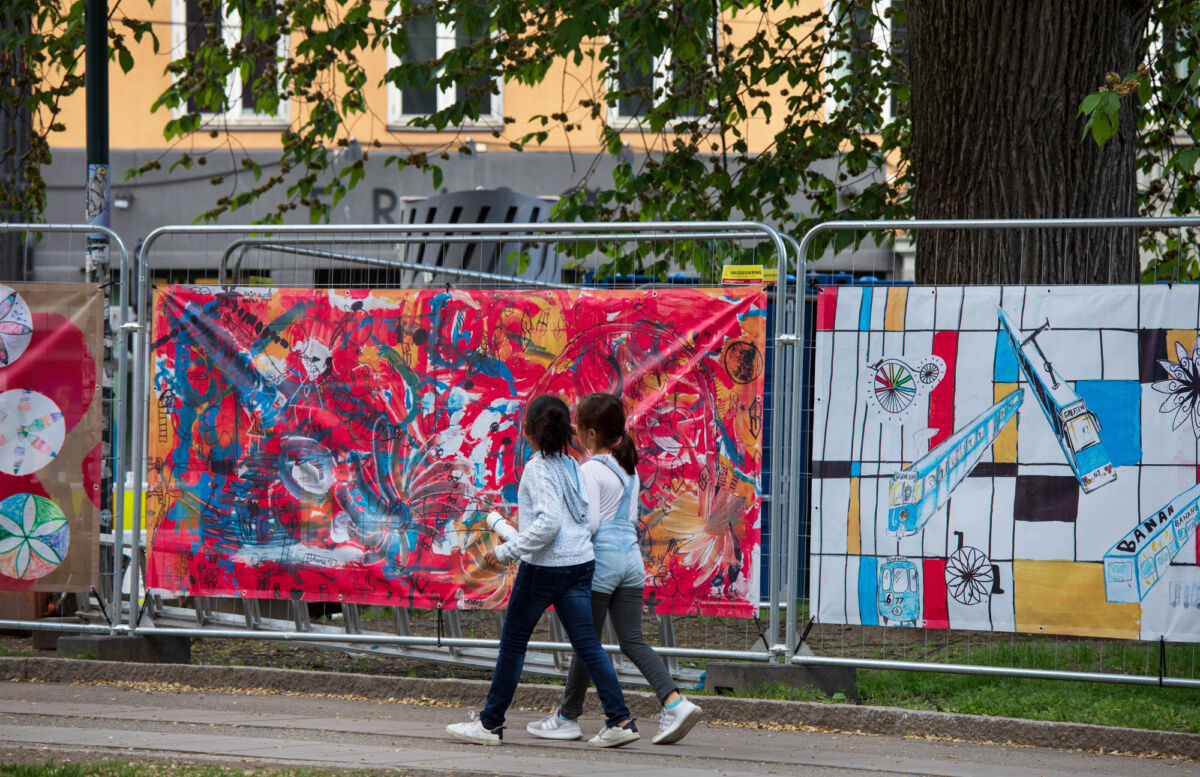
(937, 615)
(826, 307)
(941, 399)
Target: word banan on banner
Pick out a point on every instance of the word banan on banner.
(51, 416)
(1018, 459)
(347, 445)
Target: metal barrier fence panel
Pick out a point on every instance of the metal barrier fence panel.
(1080, 652)
(61, 406)
(374, 258)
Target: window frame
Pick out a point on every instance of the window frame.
(660, 70)
(446, 39)
(881, 36)
(235, 116)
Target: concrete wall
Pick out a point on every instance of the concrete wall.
(162, 198)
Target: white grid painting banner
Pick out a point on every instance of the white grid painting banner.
(1008, 459)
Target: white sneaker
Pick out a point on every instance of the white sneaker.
(473, 731)
(615, 737)
(674, 723)
(554, 726)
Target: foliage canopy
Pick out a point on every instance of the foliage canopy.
(838, 138)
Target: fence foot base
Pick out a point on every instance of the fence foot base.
(48, 640)
(147, 650)
(738, 677)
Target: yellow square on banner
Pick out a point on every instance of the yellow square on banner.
(1067, 597)
(1185, 337)
(854, 522)
(893, 314)
(1004, 447)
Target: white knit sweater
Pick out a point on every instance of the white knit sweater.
(552, 513)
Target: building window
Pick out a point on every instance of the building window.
(646, 82)
(866, 34)
(192, 22)
(429, 40)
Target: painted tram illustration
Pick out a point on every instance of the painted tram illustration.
(919, 489)
(1141, 557)
(1076, 427)
(899, 600)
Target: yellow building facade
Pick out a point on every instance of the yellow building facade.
(563, 163)
(135, 126)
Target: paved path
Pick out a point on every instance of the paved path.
(322, 731)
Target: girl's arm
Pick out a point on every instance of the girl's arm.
(543, 526)
(499, 524)
(591, 482)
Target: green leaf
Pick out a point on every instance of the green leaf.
(1185, 160)
(1104, 126)
(125, 59)
(1089, 104)
(843, 239)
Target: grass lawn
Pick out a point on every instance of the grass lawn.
(1151, 707)
(1106, 704)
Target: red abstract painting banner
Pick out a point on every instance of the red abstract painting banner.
(347, 445)
(51, 416)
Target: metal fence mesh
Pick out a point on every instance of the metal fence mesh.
(1003, 652)
(689, 255)
(591, 256)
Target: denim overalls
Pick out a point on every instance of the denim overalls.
(618, 559)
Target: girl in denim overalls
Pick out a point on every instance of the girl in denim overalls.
(555, 550)
(610, 476)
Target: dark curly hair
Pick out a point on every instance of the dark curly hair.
(548, 423)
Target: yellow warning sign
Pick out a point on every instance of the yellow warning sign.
(742, 273)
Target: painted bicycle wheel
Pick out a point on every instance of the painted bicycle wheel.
(894, 386)
(969, 575)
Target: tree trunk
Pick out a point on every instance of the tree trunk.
(996, 88)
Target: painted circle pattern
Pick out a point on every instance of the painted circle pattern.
(34, 536)
(16, 326)
(894, 386)
(32, 430)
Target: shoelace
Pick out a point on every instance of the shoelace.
(474, 716)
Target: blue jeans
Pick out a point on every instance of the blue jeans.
(569, 589)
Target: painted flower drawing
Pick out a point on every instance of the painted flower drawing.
(1182, 387)
(33, 536)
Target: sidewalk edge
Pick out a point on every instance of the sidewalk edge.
(835, 717)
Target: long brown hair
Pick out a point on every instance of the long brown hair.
(605, 415)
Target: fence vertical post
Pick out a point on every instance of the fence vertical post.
(797, 504)
(775, 553)
(120, 383)
(141, 403)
